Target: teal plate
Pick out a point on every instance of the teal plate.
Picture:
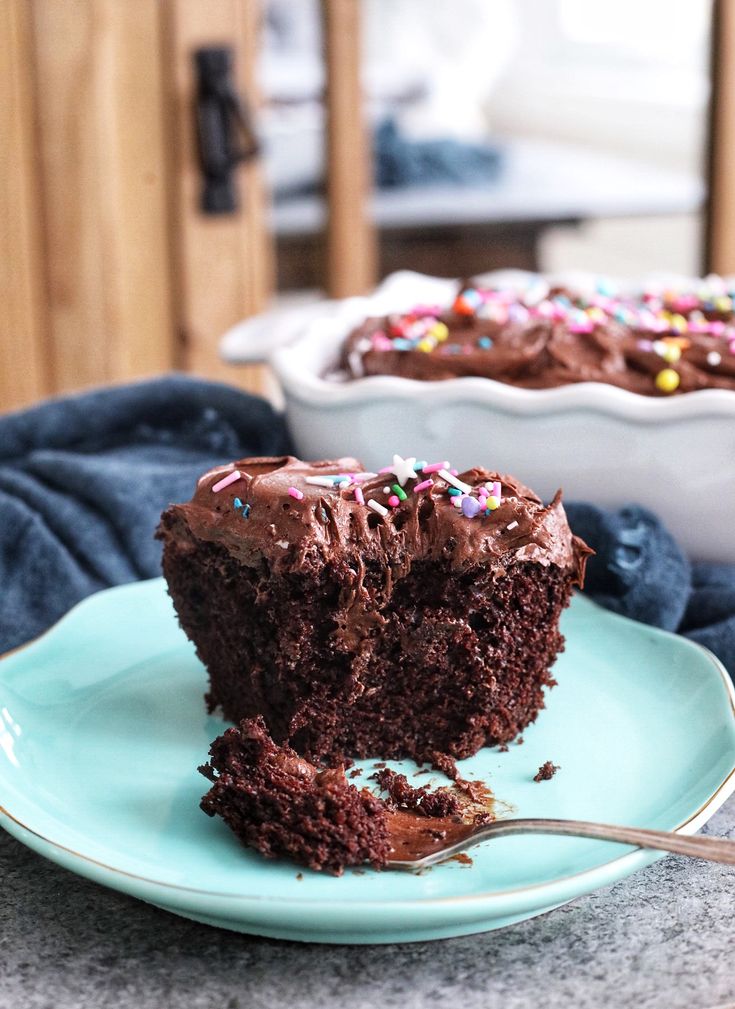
(102, 726)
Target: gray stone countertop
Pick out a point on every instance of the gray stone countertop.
(664, 937)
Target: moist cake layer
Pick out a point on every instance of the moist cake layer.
(392, 614)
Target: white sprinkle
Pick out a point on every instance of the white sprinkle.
(377, 507)
(320, 481)
(354, 359)
(536, 292)
(446, 475)
(714, 358)
(511, 526)
(283, 544)
(386, 489)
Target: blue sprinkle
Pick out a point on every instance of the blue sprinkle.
(246, 511)
(454, 491)
(485, 342)
(237, 504)
(401, 344)
(472, 297)
(420, 464)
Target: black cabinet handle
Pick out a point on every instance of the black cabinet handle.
(225, 132)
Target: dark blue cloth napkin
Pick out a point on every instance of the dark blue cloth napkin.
(83, 481)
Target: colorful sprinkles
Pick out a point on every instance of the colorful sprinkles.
(472, 502)
(663, 317)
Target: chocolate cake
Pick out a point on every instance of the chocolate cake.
(655, 343)
(400, 614)
(284, 807)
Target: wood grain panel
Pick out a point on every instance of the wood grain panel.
(351, 241)
(224, 262)
(24, 365)
(720, 238)
(101, 114)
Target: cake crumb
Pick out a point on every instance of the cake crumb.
(462, 857)
(444, 763)
(503, 748)
(420, 800)
(355, 773)
(299, 876)
(546, 771)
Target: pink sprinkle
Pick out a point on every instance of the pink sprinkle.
(394, 500)
(295, 492)
(496, 490)
(226, 481)
(359, 496)
(454, 472)
(381, 342)
(386, 469)
(434, 467)
(424, 485)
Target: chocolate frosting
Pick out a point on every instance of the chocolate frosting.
(412, 834)
(271, 512)
(564, 338)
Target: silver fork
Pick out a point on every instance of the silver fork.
(714, 849)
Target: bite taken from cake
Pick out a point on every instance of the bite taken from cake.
(405, 613)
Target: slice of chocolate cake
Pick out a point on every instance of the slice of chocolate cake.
(283, 806)
(406, 613)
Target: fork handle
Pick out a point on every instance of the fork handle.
(715, 849)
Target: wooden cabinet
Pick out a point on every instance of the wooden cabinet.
(108, 268)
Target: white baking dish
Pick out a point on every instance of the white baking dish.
(601, 444)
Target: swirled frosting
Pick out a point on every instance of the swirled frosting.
(655, 343)
(308, 515)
